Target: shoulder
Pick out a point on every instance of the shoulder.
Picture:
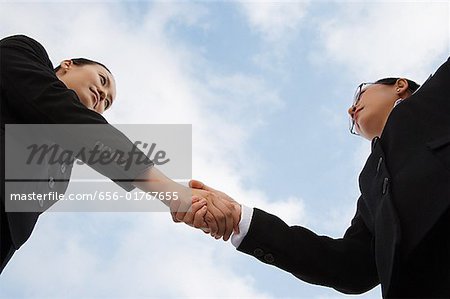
(18, 40)
(22, 42)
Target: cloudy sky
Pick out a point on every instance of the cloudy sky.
(266, 86)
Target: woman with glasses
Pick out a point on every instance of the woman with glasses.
(400, 234)
(389, 92)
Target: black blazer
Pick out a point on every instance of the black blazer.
(32, 94)
(400, 235)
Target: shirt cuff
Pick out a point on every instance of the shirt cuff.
(244, 224)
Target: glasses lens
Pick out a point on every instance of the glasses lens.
(361, 88)
(357, 94)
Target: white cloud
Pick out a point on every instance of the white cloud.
(274, 20)
(378, 39)
(152, 257)
(278, 23)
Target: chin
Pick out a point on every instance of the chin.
(365, 134)
(367, 130)
(85, 102)
(370, 136)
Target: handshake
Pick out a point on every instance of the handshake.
(212, 211)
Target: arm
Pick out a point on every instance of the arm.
(31, 89)
(346, 264)
(219, 218)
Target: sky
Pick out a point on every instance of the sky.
(266, 87)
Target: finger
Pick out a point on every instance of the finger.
(174, 218)
(200, 185)
(220, 219)
(212, 224)
(189, 217)
(173, 210)
(199, 218)
(180, 216)
(199, 210)
(197, 206)
(206, 230)
(183, 207)
(229, 223)
(195, 184)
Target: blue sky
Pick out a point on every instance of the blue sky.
(266, 87)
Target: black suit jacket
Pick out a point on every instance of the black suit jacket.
(32, 94)
(400, 235)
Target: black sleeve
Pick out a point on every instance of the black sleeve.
(346, 264)
(35, 94)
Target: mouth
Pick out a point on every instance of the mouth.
(95, 98)
(355, 115)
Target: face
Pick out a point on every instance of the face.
(93, 84)
(375, 103)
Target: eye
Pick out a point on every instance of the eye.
(103, 79)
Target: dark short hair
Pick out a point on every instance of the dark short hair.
(412, 86)
(83, 61)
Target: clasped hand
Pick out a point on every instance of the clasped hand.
(212, 211)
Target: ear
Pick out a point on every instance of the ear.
(401, 88)
(66, 65)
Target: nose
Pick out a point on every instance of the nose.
(102, 96)
(102, 93)
(351, 111)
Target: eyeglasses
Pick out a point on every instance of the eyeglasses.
(359, 91)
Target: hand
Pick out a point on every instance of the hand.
(199, 209)
(218, 219)
(222, 202)
(219, 215)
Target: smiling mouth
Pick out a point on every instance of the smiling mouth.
(95, 98)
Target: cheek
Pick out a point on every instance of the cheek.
(362, 122)
(84, 99)
(76, 83)
(85, 96)
(81, 86)
(83, 81)
(369, 122)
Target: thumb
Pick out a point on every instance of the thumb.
(199, 185)
(196, 184)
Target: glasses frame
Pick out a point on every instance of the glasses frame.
(359, 90)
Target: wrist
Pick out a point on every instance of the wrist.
(239, 211)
